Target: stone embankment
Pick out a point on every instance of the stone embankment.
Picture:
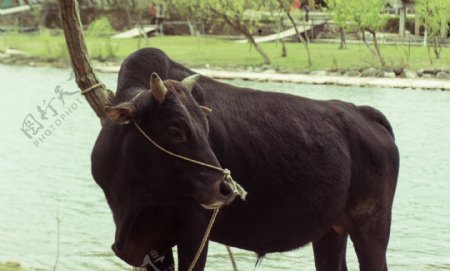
(324, 78)
(427, 78)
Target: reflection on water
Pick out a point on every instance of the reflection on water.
(39, 184)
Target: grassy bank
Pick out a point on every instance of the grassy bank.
(199, 51)
(10, 266)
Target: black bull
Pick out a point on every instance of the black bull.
(315, 171)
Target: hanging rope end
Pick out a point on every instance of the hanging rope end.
(241, 192)
(238, 190)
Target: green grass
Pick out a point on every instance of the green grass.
(10, 266)
(199, 51)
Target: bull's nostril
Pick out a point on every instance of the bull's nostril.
(225, 190)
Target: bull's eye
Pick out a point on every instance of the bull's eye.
(174, 133)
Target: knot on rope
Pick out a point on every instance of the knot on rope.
(237, 188)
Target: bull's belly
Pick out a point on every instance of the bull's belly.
(267, 231)
(280, 244)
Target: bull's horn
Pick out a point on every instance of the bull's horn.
(190, 81)
(158, 88)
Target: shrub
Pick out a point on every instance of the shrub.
(100, 28)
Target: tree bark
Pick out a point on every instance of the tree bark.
(377, 48)
(98, 96)
(300, 38)
(252, 41)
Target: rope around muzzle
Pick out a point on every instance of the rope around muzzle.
(237, 189)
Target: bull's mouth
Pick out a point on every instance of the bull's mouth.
(213, 206)
(225, 196)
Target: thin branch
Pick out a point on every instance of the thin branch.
(58, 241)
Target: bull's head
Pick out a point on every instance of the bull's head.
(168, 113)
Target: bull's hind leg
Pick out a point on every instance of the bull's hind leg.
(329, 252)
(370, 234)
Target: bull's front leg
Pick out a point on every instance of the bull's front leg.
(189, 239)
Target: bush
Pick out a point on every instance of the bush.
(100, 28)
(99, 32)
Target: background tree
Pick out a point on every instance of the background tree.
(282, 41)
(125, 6)
(232, 12)
(342, 43)
(339, 15)
(139, 8)
(286, 7)
(361, 16)
(435, 16)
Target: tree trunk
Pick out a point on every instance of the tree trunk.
(258, 48)
(377, 48)
(283, 43)
(241, 28)
(343, 44)
(429, 55)
(300, 38)
(437, 46)
(283, 48)
(97, 95)
(365, 43)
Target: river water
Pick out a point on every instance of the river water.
(45, 176)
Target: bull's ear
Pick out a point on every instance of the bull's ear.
(121, 113)
(190, 81)
(206, 110)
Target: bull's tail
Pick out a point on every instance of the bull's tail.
(376, 116)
